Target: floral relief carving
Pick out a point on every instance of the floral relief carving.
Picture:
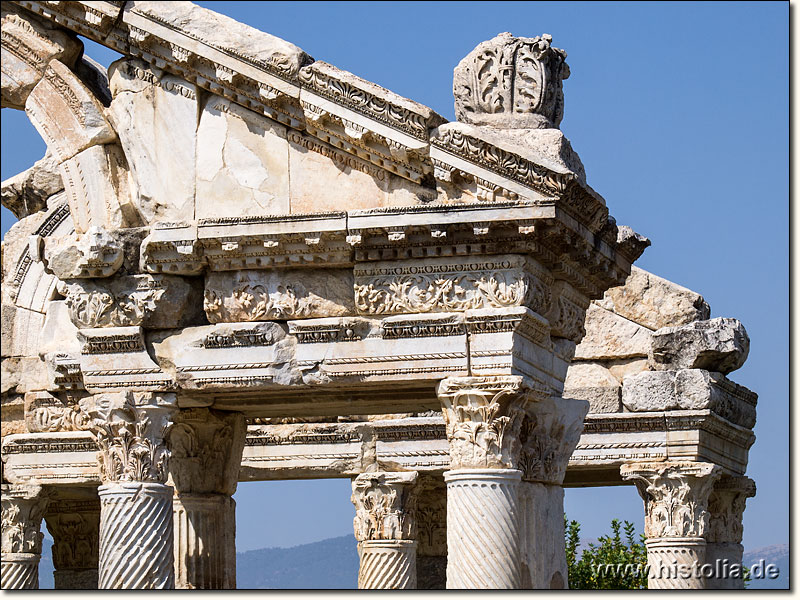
(482, 419)
(130, 428)
(47, 413)
(675, 496)
(726, 507)
(385, 506)
(23, 507)
(122, 303)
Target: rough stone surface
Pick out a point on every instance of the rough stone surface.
(654, 302)
(715, 345)
(610, 336)
(594, 383)
(27, 192)
(156, 115)
(96, 253)
(242, 163)
(689, 389)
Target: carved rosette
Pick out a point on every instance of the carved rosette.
(23, 507)
(511, 82)
(130, 428)
(385, 527)
(482, 417)
(75, 526)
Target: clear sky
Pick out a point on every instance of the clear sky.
(679, 112)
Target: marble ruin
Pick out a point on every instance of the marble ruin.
(236, 263)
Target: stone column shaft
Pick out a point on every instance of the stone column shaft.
(483, 545)
(136, 532)
(385, 527)
(724, 537)
(205, 549)
(676, 520)
(22, 511)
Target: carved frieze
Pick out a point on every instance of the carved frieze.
(385, 506)
(74, 525)
(446, 285)
(46, 412)
(130, 428)
(482, 418)
(267, 295)
(675, 496)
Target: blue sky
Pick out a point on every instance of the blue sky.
(679, 112)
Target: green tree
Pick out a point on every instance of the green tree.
(612, 564)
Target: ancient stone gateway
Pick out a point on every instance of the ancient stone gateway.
(236, 263)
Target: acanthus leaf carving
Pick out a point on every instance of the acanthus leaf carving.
(675, 496)
(126, 301)
(130, 428)
(23, 507)
(385, 506)
(726, 506)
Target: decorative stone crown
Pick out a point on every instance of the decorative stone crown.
(511, 83)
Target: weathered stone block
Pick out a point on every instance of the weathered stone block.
(610, 336)
(242, 163)
(27, 192)
(94, 254)
(719, 344)
(654, 302)
(594, 383)
(689, 389)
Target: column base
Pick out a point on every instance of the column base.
(388, 565)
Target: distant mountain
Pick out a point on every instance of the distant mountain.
(777, 555)
(333, 564)
(329, 564)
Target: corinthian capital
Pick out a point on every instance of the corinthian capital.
(385, 506)
(675, 496)
(482, 417)
(726, 508)
(206, 451)
(22, 511)
(131, 428)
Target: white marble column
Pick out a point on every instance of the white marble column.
(724, 536)
(385, 528)
(676, 520)
(482, 418)
(75, 527)
(23, 507)
(136, 534)
(206, 453)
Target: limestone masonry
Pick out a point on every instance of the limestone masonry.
(237, 263)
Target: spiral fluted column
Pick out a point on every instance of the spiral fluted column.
(22, 511)
(136, 533)
(136, 537)
(483, 524)
(388, 565)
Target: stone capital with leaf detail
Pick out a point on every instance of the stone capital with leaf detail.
(385, 506)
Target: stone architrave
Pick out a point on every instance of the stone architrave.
(75, 527)
(205, 454)
(676, 521)
(23, 507)
(385, 528)
(136, 528)
(724, 536)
